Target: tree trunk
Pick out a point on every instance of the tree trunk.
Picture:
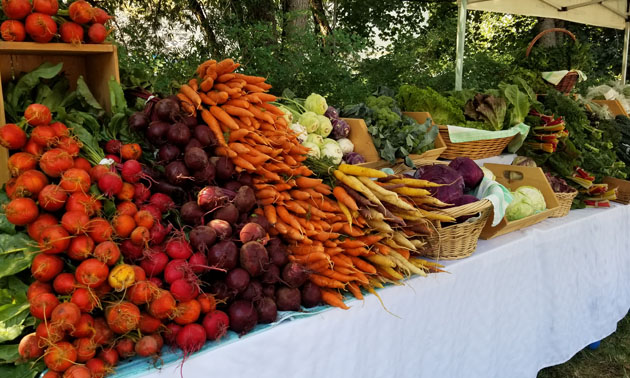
(200, 13)
(549, 39)
(319, 15)
(297, 11)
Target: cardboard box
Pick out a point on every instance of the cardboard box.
(96, 63)
(531, 176)
(623, 189)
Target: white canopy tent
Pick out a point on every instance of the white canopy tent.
(604, 13)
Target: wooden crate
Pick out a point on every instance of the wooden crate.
(614, 106)
(623, 189)
(531, 176)
(96, 63)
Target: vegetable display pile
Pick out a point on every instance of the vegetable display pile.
(44, 20)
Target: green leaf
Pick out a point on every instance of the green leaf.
(6, 227)
(58, 94)
(16, 253)
(9, 353)
(29, 81)
(84, 94)
(109, 208)
(26, 370)
(117, 97)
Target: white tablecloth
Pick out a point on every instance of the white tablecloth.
(523, 301)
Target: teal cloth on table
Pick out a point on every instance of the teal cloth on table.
(554, 77)
(496, 193)
(458, 134)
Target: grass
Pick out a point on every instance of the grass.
(610, 360)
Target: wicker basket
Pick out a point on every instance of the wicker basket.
(478, 149)
(570, 79)
(565, 200)
(459, 240)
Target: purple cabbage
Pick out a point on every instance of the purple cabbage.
(469, 170)
(331, 113)
(354, 158)
(453, 181)
(341, 129)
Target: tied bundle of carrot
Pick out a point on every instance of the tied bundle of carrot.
(254, 134)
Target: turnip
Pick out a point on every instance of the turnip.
(191, 338)
(294, 275)
(245, 199)
(271, 275)
(202, 238)
(177, 173)
(195, 158)
(216, 324)
(228, 213)
(253, 292)
(178, 134)
(167, 109)
(16, 9)
(253, 258)
(237, 279)
(156, 132)
(42, 28)
(191, 213)
(252, 232)
(288, 299)
(221, 228)
(223, 255)
(243, 316)
(267, 310)
(13, 31)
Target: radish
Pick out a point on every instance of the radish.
(13, 31)
(65, 315)
(36, 288)
(30, 183)
(123, 317)
(21, 162)
(97, 33)
(80, 248)
(84, 327)
(45, 267)
(147, 346)
(43, 305)
(191, 338)
(91, 273)
(55, 161)
(184, 289)
(12, 137)
(131, 171)
(16, 9)
(216, 324)
(54, 239)
(36, 227)
(81, 12)
(60, 357)
(163, 305)
(49, 7)
(64, 284)
(125, 348)
(178, 249)
(100, 16)
(110, 184)
(71, 32)
(149, 324)
(86, 300)
(29, 348)
(52, 198)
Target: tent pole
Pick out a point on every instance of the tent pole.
(461, 39)
(624, 64)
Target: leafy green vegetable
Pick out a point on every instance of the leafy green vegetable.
(18, 95)
(443, 111)
(519, 103)
(487, 108)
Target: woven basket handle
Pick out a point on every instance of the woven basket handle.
(539, 36)
(469, 209)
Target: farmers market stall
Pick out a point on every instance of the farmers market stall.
(522, 302)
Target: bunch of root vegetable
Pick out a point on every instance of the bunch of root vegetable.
(254, 135)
